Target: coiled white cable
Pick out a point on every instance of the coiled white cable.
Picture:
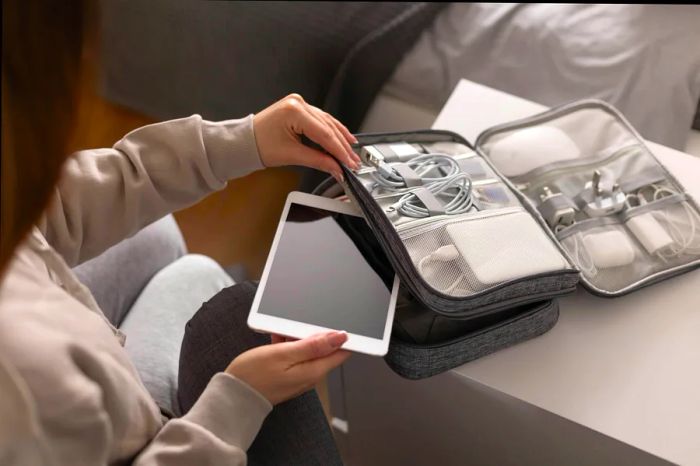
(458, 188)
(450, 183)
(443, 254)
(388, 178)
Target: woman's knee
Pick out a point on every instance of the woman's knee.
(201, 266)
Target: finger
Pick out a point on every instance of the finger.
(321, 133)
(308, 157)
(341, 136)
(314, 347)
(338, 129)
(274, 338)
(325, 119)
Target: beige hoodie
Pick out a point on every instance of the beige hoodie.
(68, 393)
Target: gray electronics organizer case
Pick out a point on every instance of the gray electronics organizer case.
(572, 193)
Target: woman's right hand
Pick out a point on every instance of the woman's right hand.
(281, 371)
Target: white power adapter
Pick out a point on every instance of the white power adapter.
(501, 248)
(649, 232)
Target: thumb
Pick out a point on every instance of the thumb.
(313, 347)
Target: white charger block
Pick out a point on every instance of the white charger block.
(649, 232)
(504, 247)
(608, 249)
(530, 148)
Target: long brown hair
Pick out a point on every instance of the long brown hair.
(41, 44)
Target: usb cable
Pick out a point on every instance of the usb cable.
(421, 181)
(457, 188)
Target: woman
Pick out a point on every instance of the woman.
(70, 393)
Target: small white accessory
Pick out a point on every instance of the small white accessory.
(608, 249)
(398, 152)
(649, 232)
(671, 237)
(557, 209)
(530, 148)
(602, 195)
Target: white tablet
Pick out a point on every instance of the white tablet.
(326, 271)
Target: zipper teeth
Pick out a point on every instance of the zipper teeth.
(416, 229)
(542, 179)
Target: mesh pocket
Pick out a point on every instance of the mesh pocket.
(582, 133)
(494, 195)
(477, 168)
(669, 232)
(607, 255)
(465, 256)
(629, 167)
(615, 253)
(447, 147)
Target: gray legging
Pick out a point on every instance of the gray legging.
(295, 432)
(149, 287)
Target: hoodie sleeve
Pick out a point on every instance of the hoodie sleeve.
(106, 195)
(218, 429)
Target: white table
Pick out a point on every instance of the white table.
(615, 381)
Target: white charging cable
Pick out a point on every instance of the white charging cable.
(446, 253)
(438, 174)
(457, 188)
(583, 257)
(388, 178)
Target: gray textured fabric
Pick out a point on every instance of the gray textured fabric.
(117, 276)
(415, 361)
(155, 325)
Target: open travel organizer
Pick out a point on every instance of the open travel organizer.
(484, 238)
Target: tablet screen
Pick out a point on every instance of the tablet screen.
(329, 270)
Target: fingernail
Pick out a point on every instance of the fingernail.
(354, 139)
(336, 339)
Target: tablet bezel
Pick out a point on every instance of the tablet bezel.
(295, 329)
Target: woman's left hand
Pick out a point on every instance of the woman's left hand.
(278, 131)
